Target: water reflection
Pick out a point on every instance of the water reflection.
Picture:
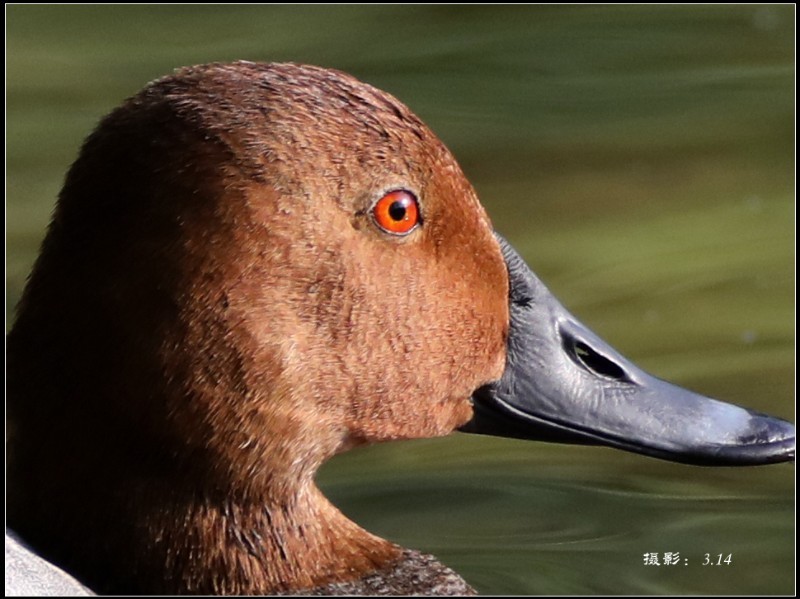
(550, 519)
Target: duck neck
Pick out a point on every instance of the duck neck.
(162, 534)
(287, 544)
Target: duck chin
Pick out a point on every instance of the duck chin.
(442, 419)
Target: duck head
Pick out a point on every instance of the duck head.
(253, 267)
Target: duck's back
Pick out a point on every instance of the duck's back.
(415, 573)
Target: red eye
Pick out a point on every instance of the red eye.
(397, 212)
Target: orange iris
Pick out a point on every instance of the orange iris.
(397, 212)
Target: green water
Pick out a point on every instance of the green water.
(641, 158)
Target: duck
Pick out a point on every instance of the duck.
(254, 267)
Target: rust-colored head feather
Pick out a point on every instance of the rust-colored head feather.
(215, 312)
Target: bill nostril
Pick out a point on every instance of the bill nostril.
(583, 355)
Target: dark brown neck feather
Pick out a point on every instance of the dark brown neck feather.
(145, 537)
(282, 547)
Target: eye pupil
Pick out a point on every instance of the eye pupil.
(397, 211)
